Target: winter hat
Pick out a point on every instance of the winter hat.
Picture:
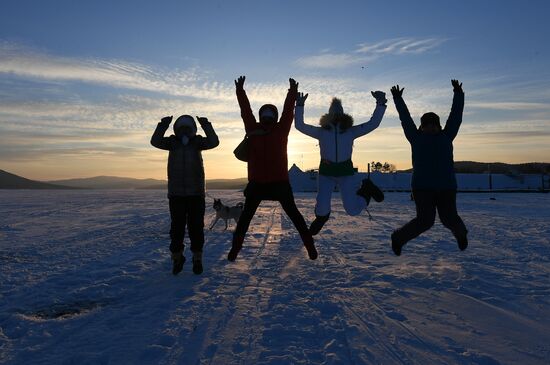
(269, 110)
(336, 107)
(185, 121)
(430, 118)
(335, 116)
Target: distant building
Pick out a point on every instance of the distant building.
(306, 181)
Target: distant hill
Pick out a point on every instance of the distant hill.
(472, 167)
(109, 182)
(11, 181)
(222, 184)
(227, 183)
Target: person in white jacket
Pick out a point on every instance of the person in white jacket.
(336, 134)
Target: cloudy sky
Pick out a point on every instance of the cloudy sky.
(83, 84)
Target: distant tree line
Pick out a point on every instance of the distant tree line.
(382, 167)
(471, 167)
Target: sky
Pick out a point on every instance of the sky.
(84, 84)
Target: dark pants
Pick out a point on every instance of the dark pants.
(187, 211)
(426, 204)
(281, 192)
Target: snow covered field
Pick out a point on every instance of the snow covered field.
(85, 279)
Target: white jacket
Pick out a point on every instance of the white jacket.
(335, 145)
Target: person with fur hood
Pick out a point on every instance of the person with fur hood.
(336, 134)
(433, 179)
(186, 186)
(268, 165)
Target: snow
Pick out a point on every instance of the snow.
(85, 279)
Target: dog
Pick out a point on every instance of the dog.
(226, 213)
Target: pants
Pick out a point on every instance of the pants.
(281, 192)
(353, 203)
(426, 204)
(187, 211)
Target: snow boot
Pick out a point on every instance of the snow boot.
(197, 263)
(462, 242)
(396, 244)
(310, 246)
(177, 262)
(235, 248)
(318, 224)
(368, 190)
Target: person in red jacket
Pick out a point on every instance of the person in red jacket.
(268, 165)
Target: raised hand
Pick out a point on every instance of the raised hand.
(167, 120)
(293, 84)
(396, 91)
(301, 99)
(239, 83)
(202, 120)
(457, 86)
(380, 97)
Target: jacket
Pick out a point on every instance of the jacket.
(268, 160)
(185, 164)
(432, 155)
(336, 145)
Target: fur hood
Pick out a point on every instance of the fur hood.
(336, 115)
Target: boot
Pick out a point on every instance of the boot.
(368, 190)
(462, 242)
(235, 248)
(197, 263)
(396, 244)
(177, 262)
(318, 224)
(310, 246)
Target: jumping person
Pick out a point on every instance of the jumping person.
(336, 135)
(268, 166)
(433, 179)
(186, 190)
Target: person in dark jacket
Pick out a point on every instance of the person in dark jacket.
(268, 165)
(186, 187)
(433, 178)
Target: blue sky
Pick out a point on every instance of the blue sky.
(83, 84)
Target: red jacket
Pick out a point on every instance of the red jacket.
(267, 154)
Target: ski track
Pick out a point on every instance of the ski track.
(85, 278)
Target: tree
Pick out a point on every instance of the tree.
(382, 167)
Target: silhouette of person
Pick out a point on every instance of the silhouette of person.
(268, 166)
(336, 135)
(186, 186)
(433, 179)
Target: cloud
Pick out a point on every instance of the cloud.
(27, 63)
(400, 46)
(368, 52)
(509, 105)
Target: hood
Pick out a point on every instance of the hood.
(185, 121)
(335, 116)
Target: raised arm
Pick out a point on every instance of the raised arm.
(376, 118)
(158, 140)
(406, 121)
(211, 140)
(455, 117)
(288, 109)
(306, 129)
(244, 104)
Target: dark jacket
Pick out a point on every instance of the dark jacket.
(267, 154)
(185, 166)
(432, 155)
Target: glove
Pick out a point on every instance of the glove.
(380, 97)
(396, 91)
(202, 120)
(301, 99)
